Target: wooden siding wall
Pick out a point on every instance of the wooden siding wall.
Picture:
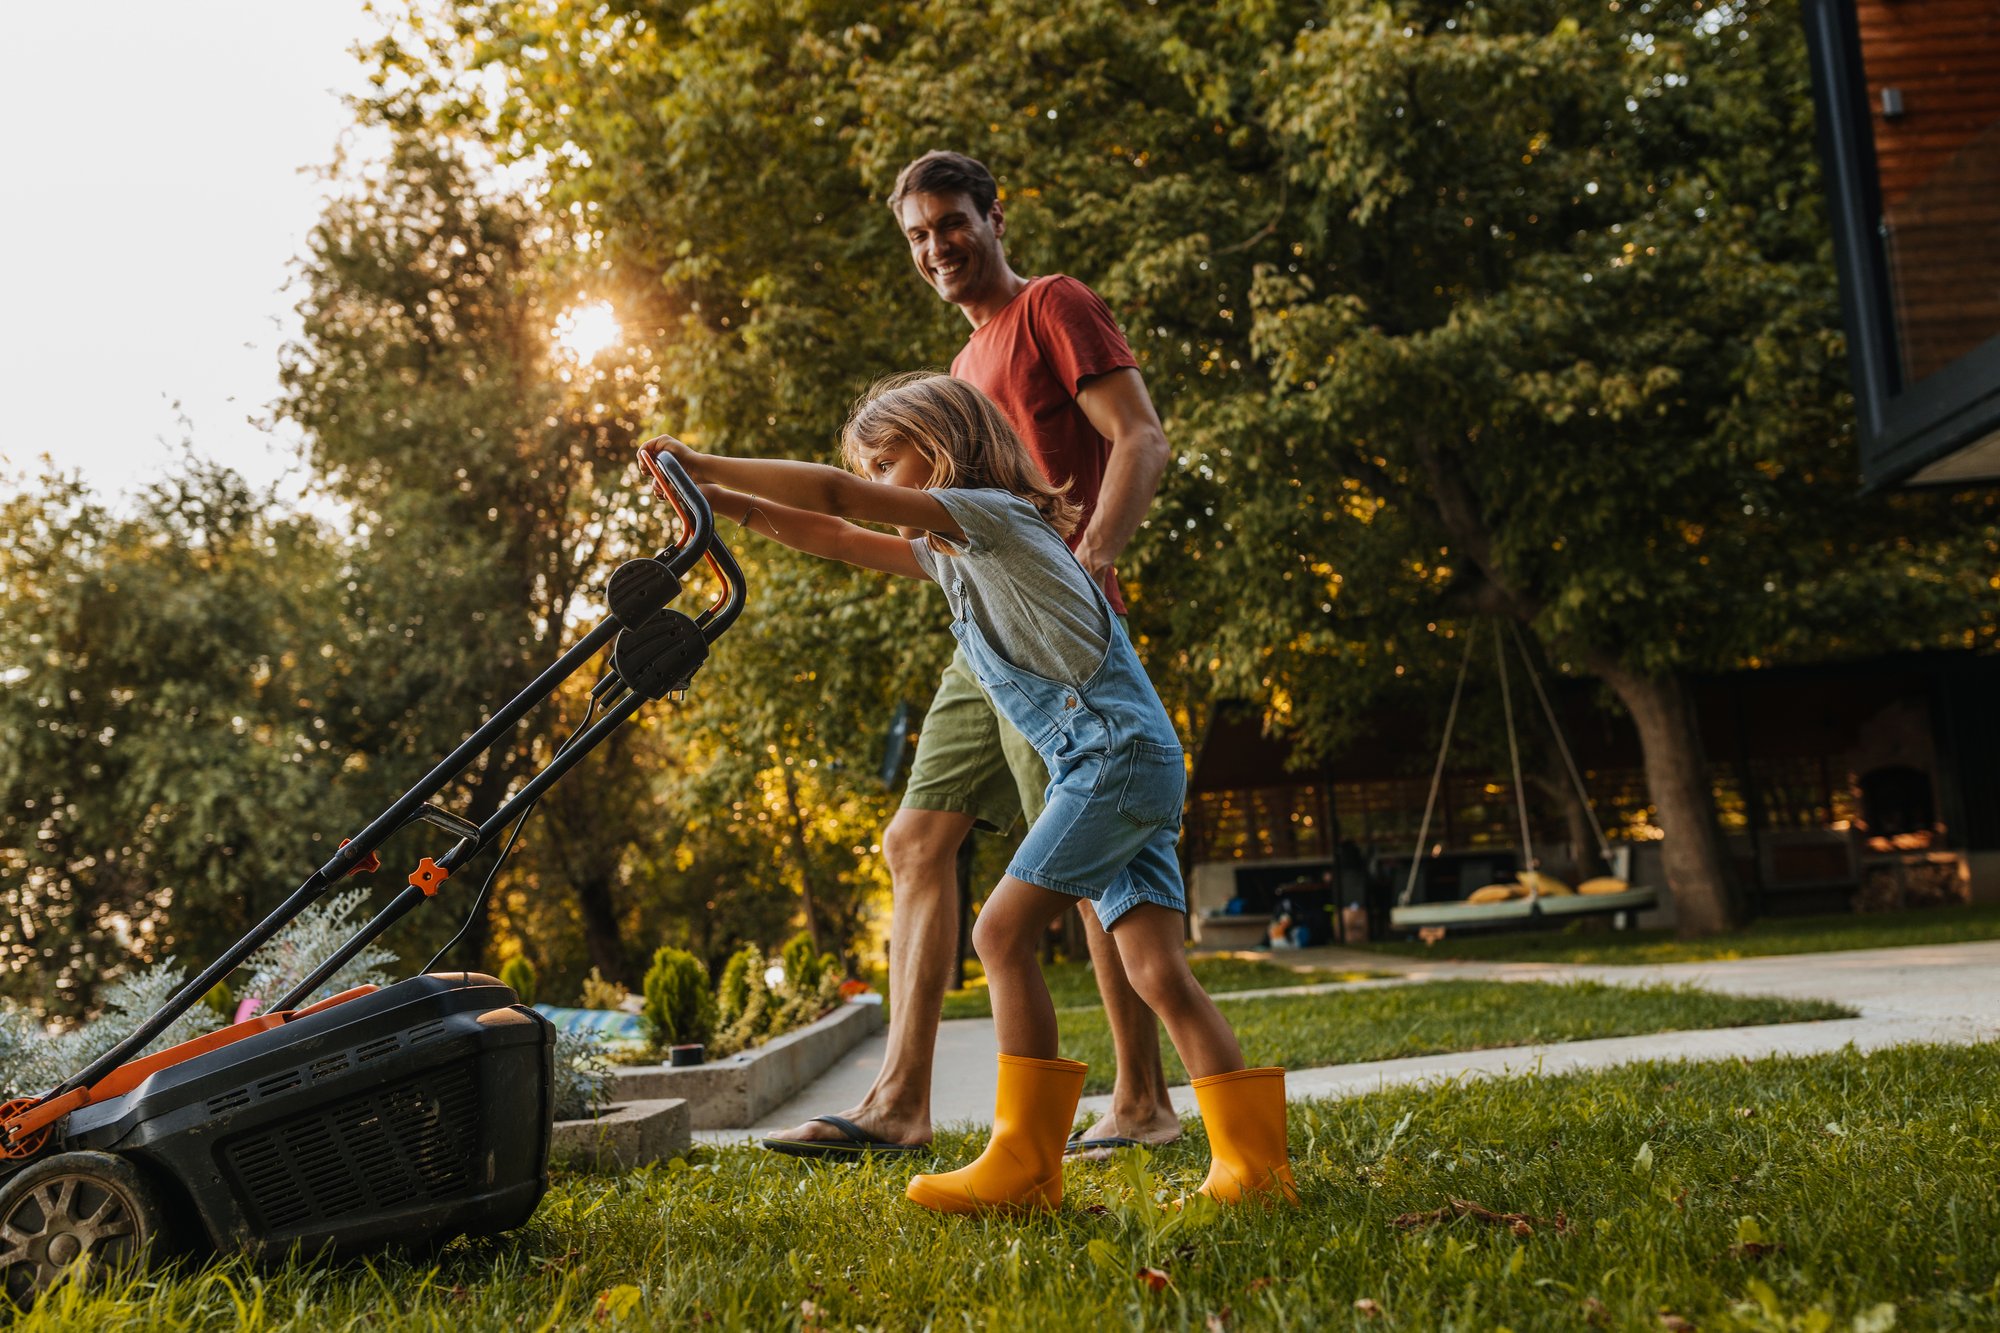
(1939, 166)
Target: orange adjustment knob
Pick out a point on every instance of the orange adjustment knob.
(367, 865)
(428, 876)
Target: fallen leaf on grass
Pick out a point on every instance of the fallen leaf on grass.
(1747, 1112)
(1521, 1224)
(1675, 1324)
(1594, 1312)
(1154, 1278)
(1258, 1284)
(616, 1302)
(1368, 1308)
(1218, 1321)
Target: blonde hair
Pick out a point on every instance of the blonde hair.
(960, 433)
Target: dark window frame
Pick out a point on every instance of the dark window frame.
(1905, 428)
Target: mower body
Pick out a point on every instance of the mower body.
(404, 1116)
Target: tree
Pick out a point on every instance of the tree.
(487, 476)
(163, 754)
(1453, 310)
(1565, 323)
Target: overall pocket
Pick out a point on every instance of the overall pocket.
(1155, 784)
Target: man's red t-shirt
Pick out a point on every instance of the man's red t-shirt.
(1029, 359)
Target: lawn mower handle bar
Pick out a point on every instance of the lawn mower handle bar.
(695, 544)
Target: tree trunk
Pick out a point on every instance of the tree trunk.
(801, 862)
(600, 929)
(1693, 855)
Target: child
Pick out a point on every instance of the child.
(977, 517)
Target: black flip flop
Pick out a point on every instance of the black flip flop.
(858, 1143)
(1078, 1144)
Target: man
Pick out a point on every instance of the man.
(1049, 354)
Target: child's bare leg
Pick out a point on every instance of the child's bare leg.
(1149, 942)
(1008, 936)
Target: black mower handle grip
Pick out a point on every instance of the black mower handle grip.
(672, 483)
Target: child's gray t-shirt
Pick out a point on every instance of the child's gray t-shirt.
(1014, 578)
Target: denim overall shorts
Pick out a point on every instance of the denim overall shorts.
(1116, 778)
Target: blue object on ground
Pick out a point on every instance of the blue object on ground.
(613, 1023)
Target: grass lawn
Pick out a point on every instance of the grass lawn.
(1074, 985)
(1834, 1192)
(1773, 935)
(1388, 1022)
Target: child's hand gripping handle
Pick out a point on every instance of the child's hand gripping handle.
(696, 540)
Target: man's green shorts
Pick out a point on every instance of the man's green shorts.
(971, 760)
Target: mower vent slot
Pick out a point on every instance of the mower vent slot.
(425, 1031)
(284, 1082)
(228, 1101)
(331, 1065)
(388, 1045)
(408, 1143)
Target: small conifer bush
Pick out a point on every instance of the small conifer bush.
(518, 975)
(679, 1008)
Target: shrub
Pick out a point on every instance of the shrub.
(582, 1075)
(312, 937)
(679, 1007)
(750, 1026)
(601, 994)
(802, 965)
(518, 975)
(742, 977)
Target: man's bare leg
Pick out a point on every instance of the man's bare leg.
(1140, 1108)
(921, 847)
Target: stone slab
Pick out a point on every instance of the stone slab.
(734, 1092)
(624, 1135)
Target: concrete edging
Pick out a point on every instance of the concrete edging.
(623, 1135)
(732, 1093)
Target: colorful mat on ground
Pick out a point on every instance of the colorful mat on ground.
(614, 1024)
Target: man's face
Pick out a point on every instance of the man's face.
(955, 248)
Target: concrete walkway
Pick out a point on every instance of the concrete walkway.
(1925, 993)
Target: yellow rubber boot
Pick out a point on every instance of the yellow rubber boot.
(1021, 1169)
(1245, 1115)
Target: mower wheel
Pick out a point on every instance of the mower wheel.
(94, 1207)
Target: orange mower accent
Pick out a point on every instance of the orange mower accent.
(331, 1000)
(27, 1122)
(17, 1146)
(367, 866)
(429, 876)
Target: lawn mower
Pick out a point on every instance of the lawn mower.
(399, 1116)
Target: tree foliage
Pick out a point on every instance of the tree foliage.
(1454, 310)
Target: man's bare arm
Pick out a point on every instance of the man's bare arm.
(1120, 408)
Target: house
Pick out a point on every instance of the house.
(1907, 97)
(1870, 784)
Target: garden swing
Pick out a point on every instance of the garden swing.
(1536, 896)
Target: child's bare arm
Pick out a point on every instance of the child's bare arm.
(817, 488)
(816, 534)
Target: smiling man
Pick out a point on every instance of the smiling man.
(1048, 352)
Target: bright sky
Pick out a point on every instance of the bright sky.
(159, 186)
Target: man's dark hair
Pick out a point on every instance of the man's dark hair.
(940, 172)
